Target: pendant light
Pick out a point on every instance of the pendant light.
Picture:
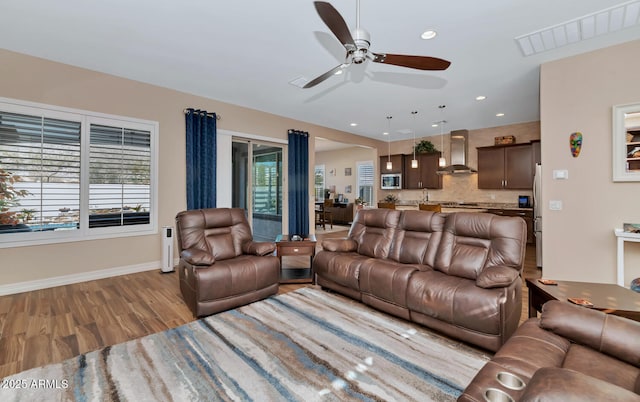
(442, 161)
(414, 161)
(389, 164)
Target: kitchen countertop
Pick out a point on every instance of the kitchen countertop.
(465, 205)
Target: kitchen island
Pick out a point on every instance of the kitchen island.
(505, 209)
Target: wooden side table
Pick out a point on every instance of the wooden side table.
(606, 297)
(285, 247)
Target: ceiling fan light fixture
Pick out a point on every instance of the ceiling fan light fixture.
(429, 34)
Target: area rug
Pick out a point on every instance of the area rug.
(307, 345)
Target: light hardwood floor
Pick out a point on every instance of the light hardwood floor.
(55, 324)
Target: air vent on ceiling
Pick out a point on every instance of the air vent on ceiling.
(599, 23)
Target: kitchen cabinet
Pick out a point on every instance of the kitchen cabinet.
(508, 167)
(425, 175)
(526, 214)
(396, 161)
(342, 213)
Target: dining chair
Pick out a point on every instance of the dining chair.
(327, 214)
(387, 205)
(430, 207)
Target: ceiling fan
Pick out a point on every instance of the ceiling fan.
(357, 46)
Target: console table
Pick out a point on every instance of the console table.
(623, 237)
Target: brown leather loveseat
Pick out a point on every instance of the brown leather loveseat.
(457, 273)
(221, 267)
(570, 353)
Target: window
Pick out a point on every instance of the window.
(67, 175)
(119, 176)
(365, 181)
(319, 182)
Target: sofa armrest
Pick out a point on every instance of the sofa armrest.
(564, 385)
(197, 257)
(344, 245)
(615, 336)
(498, 276)
(258, 247)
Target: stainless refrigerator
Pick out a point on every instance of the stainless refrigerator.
(537, 213)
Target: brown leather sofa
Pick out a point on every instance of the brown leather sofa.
(570, 353)
(221, 267)
(457, 273)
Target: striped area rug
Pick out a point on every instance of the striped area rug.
(307, 345)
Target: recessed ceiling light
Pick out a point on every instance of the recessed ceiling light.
(434, 125)
(385, 133)
(338, 72)
(499, 114)
(430, 34)
(481, 97)
(353, 124)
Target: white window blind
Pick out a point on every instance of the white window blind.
(365, 181)
(42, 155)
(319, 182)
(119, 175)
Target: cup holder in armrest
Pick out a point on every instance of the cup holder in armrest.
(510, 381)
(496, 395)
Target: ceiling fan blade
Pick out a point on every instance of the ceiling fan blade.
(417, 62)
(335, 22)
(324, 76)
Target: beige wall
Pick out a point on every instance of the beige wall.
(337, 161)
(27, 78)
(464, 187)
(577, 94)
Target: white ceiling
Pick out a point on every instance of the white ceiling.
(246, 52)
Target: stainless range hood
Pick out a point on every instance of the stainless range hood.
(459, 140)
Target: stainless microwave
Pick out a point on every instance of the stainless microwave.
(391, 181)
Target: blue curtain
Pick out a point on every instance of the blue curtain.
(298, 182)
(201, 159)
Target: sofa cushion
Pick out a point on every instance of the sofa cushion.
(232, 277)
(473, 241)
(341, 268)
(221, 232)
(456, 300)
(339, 245)
(615, 336)
(387, 280)
(554, 384)
(417, 237)
(590, 362)
(497, 277)
(373, 231)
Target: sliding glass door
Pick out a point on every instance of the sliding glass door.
(257, 186)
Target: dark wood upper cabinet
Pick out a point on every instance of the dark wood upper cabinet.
(396, 162)
(509, 167)
(425, 175)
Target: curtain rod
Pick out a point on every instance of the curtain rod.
(218, 117)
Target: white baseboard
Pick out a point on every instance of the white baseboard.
(38, 284)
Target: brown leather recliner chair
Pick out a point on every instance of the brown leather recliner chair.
(221, 267)
(570, 353)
